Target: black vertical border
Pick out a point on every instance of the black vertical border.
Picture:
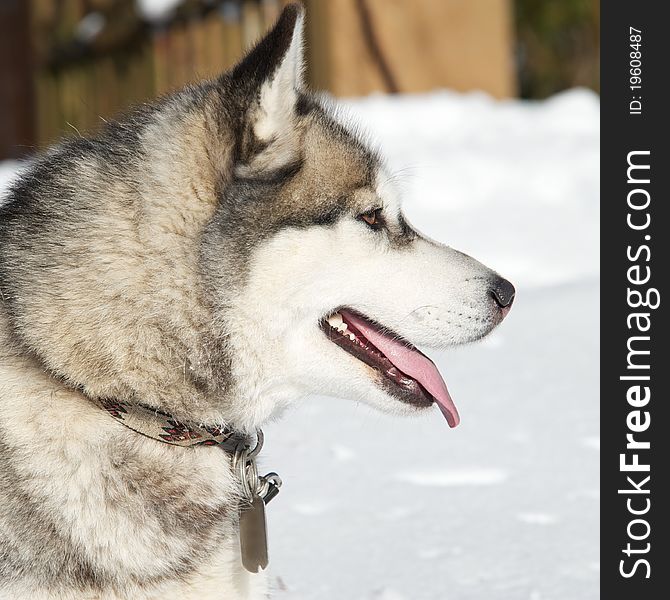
(622, 133)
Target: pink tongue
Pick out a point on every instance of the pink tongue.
(411, 362)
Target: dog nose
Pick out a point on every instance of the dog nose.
(503, 292)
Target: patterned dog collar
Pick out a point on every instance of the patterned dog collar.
(160, 426)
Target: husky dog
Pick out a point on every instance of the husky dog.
(216, 255)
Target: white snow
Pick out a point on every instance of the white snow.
(504, 507)
(453, 477)
(157, 10)
(537, 518)
(9, 170)
(90, 26)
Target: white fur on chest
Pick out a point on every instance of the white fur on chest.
(69, 460)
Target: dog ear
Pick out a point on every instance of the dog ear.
(272, 72)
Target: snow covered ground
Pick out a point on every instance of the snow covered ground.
(505, 507)
(9, 170)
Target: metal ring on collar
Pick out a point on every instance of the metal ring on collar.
(260, 438)
(244, 464)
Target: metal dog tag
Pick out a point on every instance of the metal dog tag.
(254, 536)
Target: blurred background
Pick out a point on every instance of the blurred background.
(64, 64)
(488, 114)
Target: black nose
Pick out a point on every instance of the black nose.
(503, 292)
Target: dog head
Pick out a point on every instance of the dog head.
(317, 278)
(231, 248)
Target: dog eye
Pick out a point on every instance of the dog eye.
(373, 218)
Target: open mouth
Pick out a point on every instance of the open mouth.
(406, 372)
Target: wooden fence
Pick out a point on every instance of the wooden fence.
(96, 57)
(77, 62)
(361, 46)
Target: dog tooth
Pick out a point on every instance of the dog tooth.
(352, 337)
(335, 320)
